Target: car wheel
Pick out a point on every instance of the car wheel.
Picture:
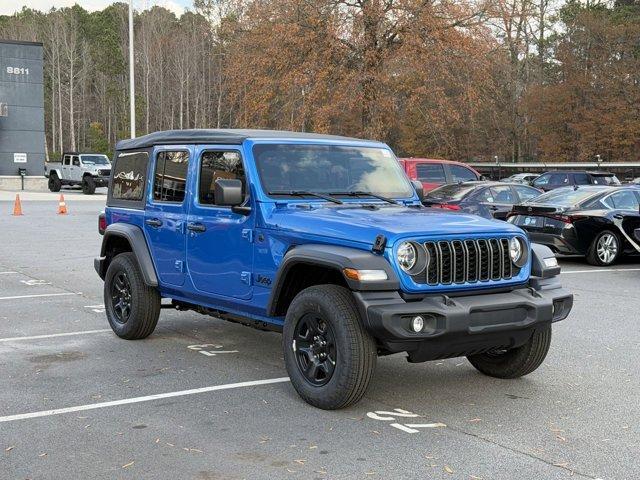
(131, 305)
(88, 185)
(54, 183)
(514, 362)
(605, 249)
(328, 354)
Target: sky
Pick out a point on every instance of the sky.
(9, 7)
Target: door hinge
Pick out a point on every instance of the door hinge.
(179, 264)
(248, 234)
(245, 277)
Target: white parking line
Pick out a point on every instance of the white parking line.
(54, 335)
(148, 398)
(599, 270)
(8, 273)
(39, 295)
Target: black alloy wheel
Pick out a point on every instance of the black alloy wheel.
(315, 349)
(121, 297)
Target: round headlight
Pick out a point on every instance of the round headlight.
(406, 256)
(516, 251)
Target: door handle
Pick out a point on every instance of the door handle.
(494, 208)
(619, 216)
(153, 222)
(196, 227)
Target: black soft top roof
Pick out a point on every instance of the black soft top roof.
(218, 136)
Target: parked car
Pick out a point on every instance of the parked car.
(324, 239)
(487, 199)
(88, 170)
(433, 172)
(598, 222)
(551, 180)
(524, 178)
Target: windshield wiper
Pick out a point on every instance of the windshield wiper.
(306, 193)
(360, 193)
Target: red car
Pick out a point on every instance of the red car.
(435, 172)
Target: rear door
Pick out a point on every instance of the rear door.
(165, 214)
(66, 167)
(75, 171)
(626, 214)
(459, 173)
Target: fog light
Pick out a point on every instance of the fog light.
(417, 324)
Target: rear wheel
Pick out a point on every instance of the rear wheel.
(605, 249)
(329, 356)
(88, 185)
(131, 305)
(515, 362)
(54, 183)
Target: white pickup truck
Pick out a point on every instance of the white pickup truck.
(89, 170)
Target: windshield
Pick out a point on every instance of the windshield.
(565, 197)
(450, 192)
(330, 169)
(94, 159)
(605, 180)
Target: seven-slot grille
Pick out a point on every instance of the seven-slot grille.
(466, 261)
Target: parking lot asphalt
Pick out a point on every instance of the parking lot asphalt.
(206, 399)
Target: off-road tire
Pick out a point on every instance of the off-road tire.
(518, 361)
(592, 253)
(145, 300)
(356, 353)
(54, 183)
(88, 185)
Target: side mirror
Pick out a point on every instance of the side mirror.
(228, 192)
(636, 233)
(419, 188)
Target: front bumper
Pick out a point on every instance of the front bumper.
(463, 325)
(101, 181)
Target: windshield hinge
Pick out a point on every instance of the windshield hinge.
(248, 234)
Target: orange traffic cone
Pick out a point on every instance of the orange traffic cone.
(62, 206)
(17, 206)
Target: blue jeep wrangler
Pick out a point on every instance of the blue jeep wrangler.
(324, 239)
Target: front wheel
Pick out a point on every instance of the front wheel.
(515, 362)
(329, 356)
(88, 185)
(54, 183)
(131, 305)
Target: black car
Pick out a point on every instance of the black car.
(552, 180)
(487, 199)
(598, 222)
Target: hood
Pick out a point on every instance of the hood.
(358, 224)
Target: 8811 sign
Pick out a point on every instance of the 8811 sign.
(17, 71)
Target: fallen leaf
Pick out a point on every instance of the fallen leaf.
(128, 465)
(8, 449)
(42, 455)
(475, 420)
(448, 469)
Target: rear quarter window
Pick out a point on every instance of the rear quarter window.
(462, 174)
(129, 178)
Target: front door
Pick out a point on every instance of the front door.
(66, 167)
(219, 241)
(164, 222)
(75, 169)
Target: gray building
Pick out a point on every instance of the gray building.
(22, 141)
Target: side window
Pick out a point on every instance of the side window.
(462, 174)
(67, 160)
(430, 172)
(129, 174)
(218, 164)
(76, 161)
(170, 179)
(485, 195)
(581, 179)
(559, 179)
(625, 200)
(526, 193)
(542, 180)
(502, 194)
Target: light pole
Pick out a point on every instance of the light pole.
(132, 88)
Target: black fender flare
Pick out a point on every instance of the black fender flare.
(135, 236)
(538, 266)
(337, 258)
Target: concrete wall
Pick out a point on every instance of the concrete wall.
(22, 88)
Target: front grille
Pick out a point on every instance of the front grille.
(104, 173)
(466, 261)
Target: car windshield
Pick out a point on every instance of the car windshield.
(94, 159)
(565, 197)
(330, 169)
(605, 180)
(450, 192)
